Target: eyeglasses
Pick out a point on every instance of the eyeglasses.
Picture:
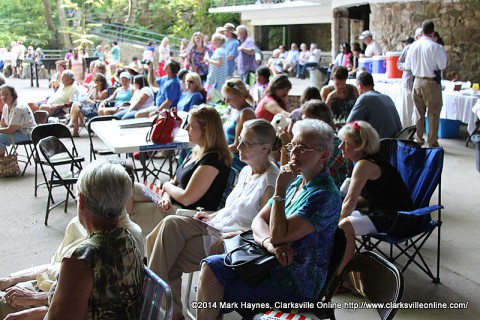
(246, 143)
(189, 81)
(300, 148)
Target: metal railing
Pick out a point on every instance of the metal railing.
(120, 33)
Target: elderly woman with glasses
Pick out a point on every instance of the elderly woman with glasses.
(240, 103)
(193, 96)
(297, 225)
(182, 242)
(103, 276)
(376, 191)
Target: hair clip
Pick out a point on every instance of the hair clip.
(355, 125)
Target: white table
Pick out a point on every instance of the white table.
(127, 136)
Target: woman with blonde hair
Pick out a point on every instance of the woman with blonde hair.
(163, 55)
(217, 63)
(376, 191)
(240, 102)
(194, 95)
(197, 55)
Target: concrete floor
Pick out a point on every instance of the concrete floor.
(28, 242)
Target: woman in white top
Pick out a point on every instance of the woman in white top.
(163, 55)
(142, 98)
(182, 242)
(17, 119)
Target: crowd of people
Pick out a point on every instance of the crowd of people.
(297, 182)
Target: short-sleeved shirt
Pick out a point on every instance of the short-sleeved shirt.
(246, 62)
(115, 52)
(188, 100)
(170, 89)
(117, 270)
(198, 64)
(218, 75)
(211, 199)
(63, 94)
(319, 202)
(20, 115)
(231, 45)
(123, 95)
(138, 94)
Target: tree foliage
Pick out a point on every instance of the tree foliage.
(25, 19)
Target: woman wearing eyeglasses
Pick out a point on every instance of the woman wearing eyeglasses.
(240, 102)
(193, 96)
(297, 225)
(182, 242)
(376, 190)
(275, 99)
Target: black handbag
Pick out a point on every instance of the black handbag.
(250, 261)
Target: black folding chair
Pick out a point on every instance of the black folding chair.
(56, 130)
(407, 133)
(371, 276)
(52, 149)
(104, 150)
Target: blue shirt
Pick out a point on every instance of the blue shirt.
(231, 45)
(170, 89)
(318, 202)
(188, 100)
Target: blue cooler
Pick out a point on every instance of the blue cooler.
(379, 64)
(447, 129)
(365, 63)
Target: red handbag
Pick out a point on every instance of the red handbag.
(164, 127)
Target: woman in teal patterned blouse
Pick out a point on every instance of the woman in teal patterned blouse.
(102, 278)
(297, 226)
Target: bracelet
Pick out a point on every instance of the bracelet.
(263, 241)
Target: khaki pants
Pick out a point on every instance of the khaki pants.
(176, 246)
(427, 96)
(5, 308)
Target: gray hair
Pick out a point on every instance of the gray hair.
(319, 131)
(242, 28)
(69, 73)
(106, 188)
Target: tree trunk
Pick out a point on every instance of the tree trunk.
(50, 25)
(64, 37)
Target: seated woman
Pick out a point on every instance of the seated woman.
(297, 226)
(17, 120)
(120, 96)
(376, 190)
(339, 166)
(103, 276)
(275, 99)
(340, 97)
(193, 96)
(199, 181)
(276, 64)
(239, 100)
(29, 288)
(89, 107)
(142, 98)
(180, 243)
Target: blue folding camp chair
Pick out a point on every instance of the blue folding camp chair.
(421, 170)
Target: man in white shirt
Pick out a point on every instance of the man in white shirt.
(292, 57)
(426, 59)
(373, 47)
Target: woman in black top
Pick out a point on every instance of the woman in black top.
(375, 186)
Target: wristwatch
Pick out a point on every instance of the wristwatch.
(278, 198)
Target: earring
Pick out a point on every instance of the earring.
(320, 165)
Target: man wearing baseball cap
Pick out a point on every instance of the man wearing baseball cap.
(373, 47)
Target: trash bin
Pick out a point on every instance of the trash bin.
(476, 141)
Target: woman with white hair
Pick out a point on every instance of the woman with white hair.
(103, 276)
(217, 63)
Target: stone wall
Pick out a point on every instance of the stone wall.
(457, 21)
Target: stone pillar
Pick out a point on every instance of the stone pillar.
(340, 29)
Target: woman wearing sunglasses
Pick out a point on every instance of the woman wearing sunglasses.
(193, 96)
